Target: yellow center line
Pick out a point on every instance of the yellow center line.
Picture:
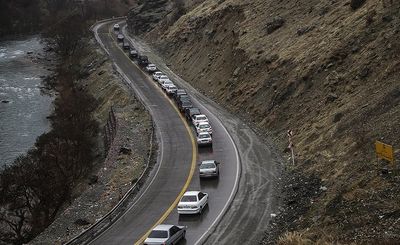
(193, 163)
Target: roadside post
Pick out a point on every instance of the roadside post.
(384, 151)
(291, 145)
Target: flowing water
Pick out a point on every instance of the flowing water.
(23, 108)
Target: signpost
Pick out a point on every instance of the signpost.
(291, 145)
(384, 151)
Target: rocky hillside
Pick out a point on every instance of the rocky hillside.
(329, 71)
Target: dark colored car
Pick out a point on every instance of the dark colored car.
(178, 92)
(126, 46)
(190, 112)
(143, 60)
(120, 37)
(184, 105)
(183, 98)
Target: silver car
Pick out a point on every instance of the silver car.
(166, 234)
(209, 168)
(204, 139)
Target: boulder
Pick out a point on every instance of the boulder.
(275, 24)
(82, 222)
(355, 4)
(337, 117)
(125, 150)
(93, 179)
(331, 97)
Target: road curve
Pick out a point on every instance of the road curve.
(174, 166)
(249, 213)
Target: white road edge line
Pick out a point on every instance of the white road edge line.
(151, 112)
(235, 188)
(238, 167)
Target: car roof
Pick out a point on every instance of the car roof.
(191, 193)
(208, 161)
(204, 133)
(163, 227)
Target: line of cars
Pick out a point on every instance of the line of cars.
(192, 202)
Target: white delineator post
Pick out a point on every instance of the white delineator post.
(291, 145)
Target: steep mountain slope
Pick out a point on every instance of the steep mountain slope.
(329, 71)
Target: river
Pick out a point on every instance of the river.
(23, 108)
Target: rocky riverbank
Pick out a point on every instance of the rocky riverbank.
(125, 160)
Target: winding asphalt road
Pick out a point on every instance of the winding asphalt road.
(178, 157)
(240, 201)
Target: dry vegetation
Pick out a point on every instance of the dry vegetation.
(328, 70)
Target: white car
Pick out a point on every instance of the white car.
(166, 83)
(192, 202)
(209, 168)
(170, 89)
(162, 78)
(166, 234)
(196, 119)
(203, 127)
(156, 75)
(116, 27)
(151, 68)
(204, 139)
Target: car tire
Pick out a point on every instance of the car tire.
(201, 210)
(184, 235)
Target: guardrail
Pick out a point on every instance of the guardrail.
(97, 228)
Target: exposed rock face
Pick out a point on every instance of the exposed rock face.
(355, 4)
(147, 14)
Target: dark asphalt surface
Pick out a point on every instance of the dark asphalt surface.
(248, 215)
(173, 164)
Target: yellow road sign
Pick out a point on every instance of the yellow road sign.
(384, 151)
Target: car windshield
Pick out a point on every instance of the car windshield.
(204, 126)
(207, 165)
(201, 118)
(204, 136)
(189, 199)
(186, 103)
(158, 234)
(172, 87)
(164, 77)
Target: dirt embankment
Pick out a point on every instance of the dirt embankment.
(329, 71)
(125, 161)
